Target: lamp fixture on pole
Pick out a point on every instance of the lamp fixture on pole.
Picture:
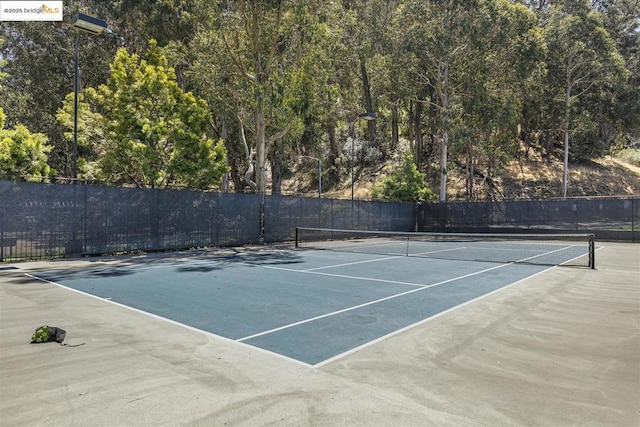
(88, 23)
(94, 26)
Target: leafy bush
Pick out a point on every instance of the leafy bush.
(630, 155)
(406, 184)
(22, 154)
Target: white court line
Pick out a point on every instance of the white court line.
(353, 350)
(416, 324)
(422, 287)
(563, 248)
(342, 276)
(459, 248)
(155, 316)
(351, 263)
(396, 256)
(549, 253)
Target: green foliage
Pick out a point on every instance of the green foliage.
(40, 72)
(406, 184)
(90, 134)
(2, 65)
(287, 77)
(258, 51)
(629, 155)
(585, 73)
(23, 154)
(148, 131)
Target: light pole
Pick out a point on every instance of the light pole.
(363, 116)
(93, 26)
(319, 173)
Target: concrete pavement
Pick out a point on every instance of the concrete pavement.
(559, 349)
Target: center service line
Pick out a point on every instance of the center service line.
(422, 287)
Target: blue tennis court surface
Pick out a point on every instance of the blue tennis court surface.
(311, 306)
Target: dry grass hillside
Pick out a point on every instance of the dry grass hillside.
(535, 178)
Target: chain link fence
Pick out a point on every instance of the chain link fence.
(608, 219)
(43, 221)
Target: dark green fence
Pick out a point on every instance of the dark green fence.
(608, 219)
(42, 221)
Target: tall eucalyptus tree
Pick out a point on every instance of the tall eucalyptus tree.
(582, 57)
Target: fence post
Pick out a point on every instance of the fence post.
(154, 219)
(261, 224)
(85, 220)
(331, 207)
(2, 234)
(633, 219)
(216, 222)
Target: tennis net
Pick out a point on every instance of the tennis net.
(542, 249)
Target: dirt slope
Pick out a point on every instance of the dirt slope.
(535, 178)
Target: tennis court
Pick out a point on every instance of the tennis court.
(317, 337)
(315, 305)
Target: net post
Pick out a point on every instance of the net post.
(296, 237)
(592, 251)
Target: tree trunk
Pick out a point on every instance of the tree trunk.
(417, 124)
(443, 166)
(565, 175)
(469, 170)
(237, 178)
(276, 168)
(548, 143)
(395, 134)
(371, 124)
(411, 131)
(260, 141)
(334, 153)
(445, 136)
